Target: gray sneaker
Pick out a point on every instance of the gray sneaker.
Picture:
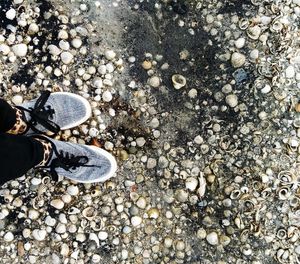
(81, 163)
(54, 112)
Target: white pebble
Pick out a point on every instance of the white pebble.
(212, 238)
(136, 221)
(57, 203)
(39, 234)
(4, 49)
(198, 140)
(17, 99)
(191, 183)
(20, 50)
(237, 59)
(154, 81)
(8, 237)
(11, 14)
(290, 72)
(93, 132)
(231, 100)
(107, 96)
(72, 190)
(109, 54)
(239, 43)
(103, 235)
(76, 43)
(66, 57)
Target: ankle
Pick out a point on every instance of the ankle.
(47, 151)
(20, 125)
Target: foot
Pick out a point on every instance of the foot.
(52, 112)
(81, 163)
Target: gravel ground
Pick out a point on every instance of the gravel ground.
(198, 101)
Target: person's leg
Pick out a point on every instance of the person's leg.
(18, 154)
(7, 116)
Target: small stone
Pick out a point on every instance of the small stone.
(110, 54)
(57, 203)
(8, 237)
(239, 43)
(201, 233)
(103, 235)
(136, 221)
(141, 203)
(147, 65)
(154, 123)
(231, 100)
(76, 43)
(11, 14)
(198, 140)
(33, 28)
(39, 234)
(151, 163)
(154, 81)
(107, 96)
(191, 183)
(237, 59)
(140, 141)
(20, 50)
(212, 238)
(17, 99)
(4, 49)
(66, 57)
(163, 162)
(290, 72)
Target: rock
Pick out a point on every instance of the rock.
(154, 81)
(239, 43)
(107, 96)
(237, 59)
(231, 100)
(109, 54)
(140, 141)
(212, 238)
(4, 49)
(136, 221)
(17, 99)
(20, 50)
(39, 234)
(8, 237)
(66, 57)
(11, 14)
(290, 72)
(151, 163)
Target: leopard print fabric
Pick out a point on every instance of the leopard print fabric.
(20, 125)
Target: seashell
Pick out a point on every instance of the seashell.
(244, 23)
(73, 190)
(39, 234)
(73, 210)
(33, 214)
(202, 185)
(237, 59)
(178, 81)
(57, 203)
(46, 180)
(24, 61)
(294, 202)
(110, 185)
(153, 213)
(286, 177)
(89, 213)
(235, 194)
(284, 193)
(282, 255)
(254, 32)
(84, 223)
(191, 183)
(94, 237)
(97, 225)
(103, 235)
(281, 233)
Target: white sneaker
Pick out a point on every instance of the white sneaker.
(54, 111)
(79, 162)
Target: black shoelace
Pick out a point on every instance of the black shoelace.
(40, 114)
(63, 159)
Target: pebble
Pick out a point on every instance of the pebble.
(4, 49)
(8, 237)
(57, 203)
(237, 59)
(212, 238)
(141, 203)
(198, 140)
(109, 54)
(239, 43)
(154, 81)
(17, 99)
(66, 57)
(107, 96)
(20, 50)
(11, 14)
(136, 221)
(191, 183)
(231, 100)
(151, 163)
(103, 235)
(39, 234)
(290, 72)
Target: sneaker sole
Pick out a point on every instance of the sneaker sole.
(84, 102)
(112, 171)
